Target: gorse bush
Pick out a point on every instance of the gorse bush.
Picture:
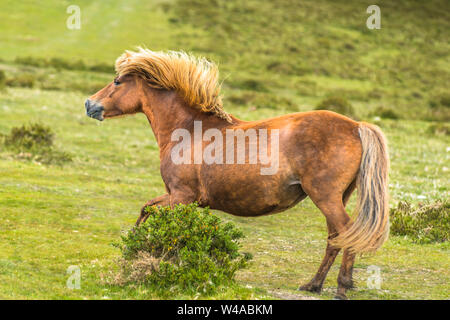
(30, 136)
(425, 224)
(35, 142)
(184, 248)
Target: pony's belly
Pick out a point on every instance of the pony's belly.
(255, 197)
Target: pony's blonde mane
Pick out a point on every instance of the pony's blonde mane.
(195, 79)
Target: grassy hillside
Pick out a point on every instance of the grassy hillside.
(275, 57)
(277, 54)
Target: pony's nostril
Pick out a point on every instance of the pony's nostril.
(94, 110)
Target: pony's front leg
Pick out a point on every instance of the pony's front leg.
(163, 200)
(183, 195)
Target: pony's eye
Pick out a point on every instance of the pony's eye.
(116, 82)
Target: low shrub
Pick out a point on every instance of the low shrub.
(88, 87)
(385, 113)
(31, 79)
(63, 63)
(102, 67)
(184, 248)
(31, 61)
(439, 107)
(376, 94)
(251, 84)
(30, 136)
(260, 100)
(337, 104)
(34, 142)
(24, 80)
(241, 99)
(438, 114)
(60, 63)
(439, 129)
(2, 80)
(440, 100)
(424, 224)
(284, 66)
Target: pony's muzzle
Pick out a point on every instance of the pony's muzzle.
(94, 110)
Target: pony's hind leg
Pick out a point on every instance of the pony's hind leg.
(348, 192)
(332, 207)
(316, 284)
(345, 278)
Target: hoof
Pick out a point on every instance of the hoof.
(340, 296)
(310, 288)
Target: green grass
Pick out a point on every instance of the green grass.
(54, 217)
(275, 58)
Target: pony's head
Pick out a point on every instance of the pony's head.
(195, 79)
(120, 97)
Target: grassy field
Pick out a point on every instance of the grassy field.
(275, 58)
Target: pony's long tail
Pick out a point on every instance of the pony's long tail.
(371, 227)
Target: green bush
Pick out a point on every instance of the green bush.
(24, 80)
(60, 63)
(445, 100)
(31, 61)
(337, 104)
(30, 136)
(34, 142)
(88, 87)
(439, 113)
(184, 248)
(260, 100)
(440, 100)
(439, 107)
(442, 129)
(251, 84)
(289, 67)
(425, 224)
(385, 113)
(2, 80)
(33, 79)
(102, 67)
(63, 63)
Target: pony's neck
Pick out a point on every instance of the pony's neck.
(166, 112)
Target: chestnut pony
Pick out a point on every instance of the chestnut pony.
(321, 154)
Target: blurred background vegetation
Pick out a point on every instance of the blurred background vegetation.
(272, 54)
(90, 180)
